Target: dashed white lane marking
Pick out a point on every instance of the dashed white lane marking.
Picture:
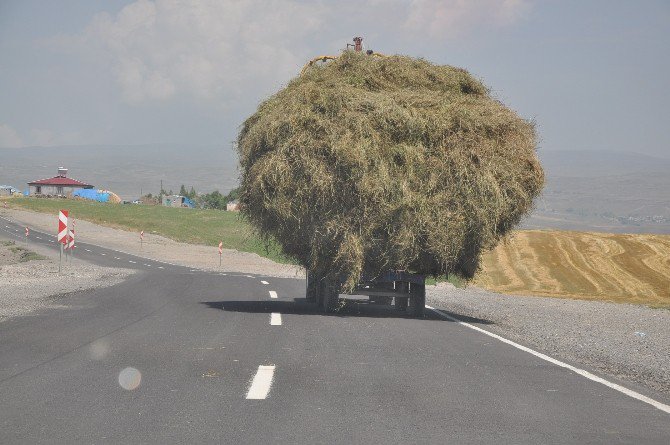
(117, 258)
(161, 267)
(88, 250)
(275, 319)
(264, 282)
(38, 237)
(103, 254)
(273, 294)
(131, 261)
(248, 276)
(148, 265)
(662, 406)
(262, 382)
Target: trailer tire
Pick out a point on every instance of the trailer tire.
(401, 303)
(311, 288)
(418, 300)
(331, 295)
(319, 292)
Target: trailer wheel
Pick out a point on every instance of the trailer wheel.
(330, 295)
(320, 291)
(311, 287)
(401, 303)
(419, 300)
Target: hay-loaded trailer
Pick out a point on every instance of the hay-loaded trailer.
(407, 290)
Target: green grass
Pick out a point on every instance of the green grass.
(23, 253)
(454, 279)
(186, 225)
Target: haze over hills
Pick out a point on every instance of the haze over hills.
(604, 191)
(586, 190)
(126, 170)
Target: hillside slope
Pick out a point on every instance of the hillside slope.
(586, 265)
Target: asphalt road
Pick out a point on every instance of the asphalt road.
(214, 358)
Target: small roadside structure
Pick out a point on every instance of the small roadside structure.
(233, 206)
(177, 201)
(59, 185)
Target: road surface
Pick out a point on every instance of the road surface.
(176, 355)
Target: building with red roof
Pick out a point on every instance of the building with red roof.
(59, 185)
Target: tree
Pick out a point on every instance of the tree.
(182, 191)
(233, 195)
(214, 200)
(192, 194)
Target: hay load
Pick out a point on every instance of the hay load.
(368, 164)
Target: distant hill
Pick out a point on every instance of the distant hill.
(586, 190)
(603, 191)
(126, 170)
(595, 163)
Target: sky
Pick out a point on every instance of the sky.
(593, 75)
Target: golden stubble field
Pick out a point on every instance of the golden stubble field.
(622, 268)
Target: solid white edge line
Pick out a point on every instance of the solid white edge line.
(261, 383)
(630, 393)
(264, 282)
(273, 294)
(275, 319)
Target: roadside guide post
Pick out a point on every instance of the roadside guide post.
(220, 252)
(71, 245)
(27, 233)
(141, 238)
(62, 234)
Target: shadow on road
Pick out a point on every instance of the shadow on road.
(350, 308)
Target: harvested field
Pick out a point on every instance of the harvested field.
(585, 265)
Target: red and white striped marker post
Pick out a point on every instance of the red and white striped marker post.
(220, 252)
(141, 238)
(62, 234)
(70, 243)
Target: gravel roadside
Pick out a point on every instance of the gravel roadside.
(627, 341)
(157, 247)
(28, 286)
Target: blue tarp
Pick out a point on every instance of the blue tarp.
(91, 194)
(189, 203)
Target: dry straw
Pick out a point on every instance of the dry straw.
(367, 164)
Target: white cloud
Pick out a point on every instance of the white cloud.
(450, 18)
(9, 138)
(210, 49)
(224, 51)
